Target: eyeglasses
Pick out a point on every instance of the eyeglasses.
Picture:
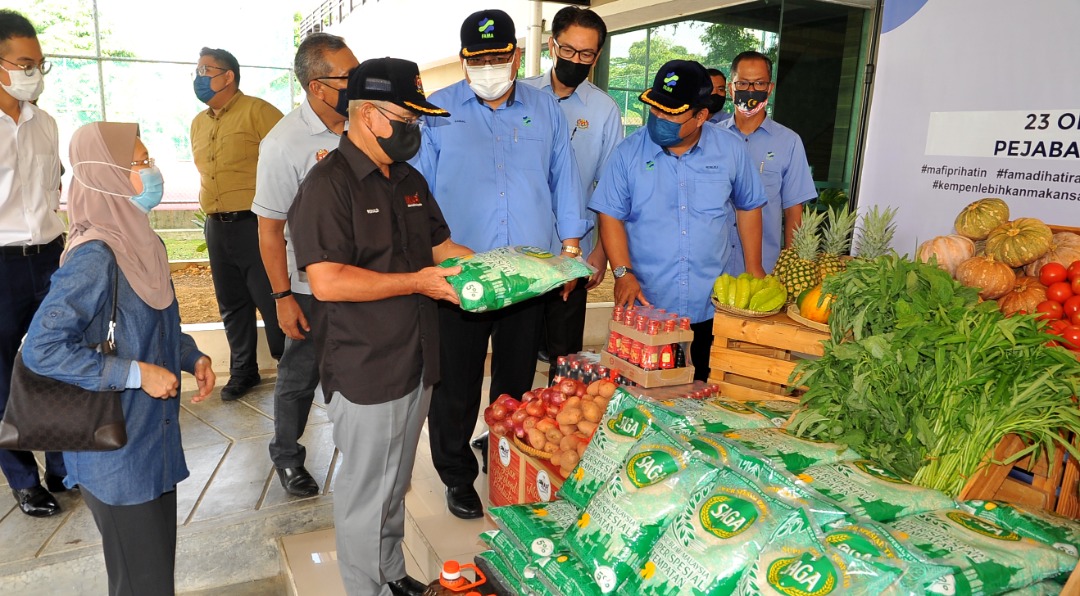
(321, 79)
(148, 162)
(45, 66)
(202, 72)
(494, 59)
(414, 121)
(568, 53)
(758, 85)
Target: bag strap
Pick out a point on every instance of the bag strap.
(110, 339)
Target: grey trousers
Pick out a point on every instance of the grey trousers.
(298, 376)
(378, 447)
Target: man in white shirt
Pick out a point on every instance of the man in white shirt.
(31, 234)
(295, 144)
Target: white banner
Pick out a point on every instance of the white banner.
(963, 110)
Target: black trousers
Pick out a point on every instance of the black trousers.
(298, 376)
(139, 542)
(455, 402)
(24, 282)
(701, 348)
(564, 322)
(242, 286)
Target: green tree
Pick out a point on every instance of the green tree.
(724, 42)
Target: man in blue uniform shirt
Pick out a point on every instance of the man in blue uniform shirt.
(777, 154)
(504, 174)
(577, 34)
(667, 202)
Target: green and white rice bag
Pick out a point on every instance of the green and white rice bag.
(503, 574)
(1044, 588)
(869, 490)
(776, 410)
(787, 450)
(713, 448)
(626, 517)
(625, 421)
(515, 559)
(565, 575)
(868, 540)
(988, 559)
(510, 274)
(536, 528)
(800, 565)
(699, 415)
(1052, 530)
(710, 543)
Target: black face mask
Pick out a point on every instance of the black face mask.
(570, 73)
(716, 103)
(342, 106)
(403, 142)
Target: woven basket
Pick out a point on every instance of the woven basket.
(743, 312)
(793, 312)
(530, 451)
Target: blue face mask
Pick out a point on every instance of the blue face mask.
(153, 189)
(202, 88)
(663, 132)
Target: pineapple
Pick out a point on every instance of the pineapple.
(795, 267)
(836, 241)
(876, 234)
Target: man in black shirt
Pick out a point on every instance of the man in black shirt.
(368, 233)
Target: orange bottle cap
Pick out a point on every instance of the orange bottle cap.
(451, 570)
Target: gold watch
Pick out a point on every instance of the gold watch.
(572, 250)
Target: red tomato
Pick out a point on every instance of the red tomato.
(1075, 286)
(1051, 273)
(1075, 318)
(1074, 271)
(1059, 292)
(1071, 306)
(1057, 326)
(1070, 337)
(1050, 310)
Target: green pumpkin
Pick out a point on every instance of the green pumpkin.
(978, 219)
(1017, 243)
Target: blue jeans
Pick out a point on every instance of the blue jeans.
(24, 282)
(298, 376)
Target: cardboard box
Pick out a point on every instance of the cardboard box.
(648, 378)
(515, 477)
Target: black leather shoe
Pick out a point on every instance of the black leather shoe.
(298, 482)
(407, 586)
(237, 387)
(464, 502)
(480, 442)
(36, 501)
(543, 356)
(55, 483)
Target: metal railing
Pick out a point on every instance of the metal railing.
(329, 13)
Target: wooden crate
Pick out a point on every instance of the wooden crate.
(994, 482)
(752, 358)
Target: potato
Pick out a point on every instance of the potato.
(537, 439)
(551, 447)
(570, 459)
(587, 427)
(567, 429)
(546, 424)
(592, 412)
(554, 436)
(581, 448)
(594, 387)
(572, 402)
(568, 416)
(556, 458)
(568, 442)
(606, 389)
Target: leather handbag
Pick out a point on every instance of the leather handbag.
(44, 414)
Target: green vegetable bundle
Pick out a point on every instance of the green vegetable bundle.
(925, 380)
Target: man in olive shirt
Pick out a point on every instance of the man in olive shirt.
(368, 233)
(225, 143)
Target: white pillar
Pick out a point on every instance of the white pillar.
(533, 41)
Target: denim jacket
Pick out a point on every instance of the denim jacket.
(75, 315)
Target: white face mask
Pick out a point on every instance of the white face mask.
(492, 81)
(22, 87)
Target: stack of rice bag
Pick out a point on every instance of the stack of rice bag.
(710, 497)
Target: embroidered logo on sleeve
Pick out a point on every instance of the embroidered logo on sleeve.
(321, 153)
(413, 200)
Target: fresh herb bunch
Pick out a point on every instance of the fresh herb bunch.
(922, 378)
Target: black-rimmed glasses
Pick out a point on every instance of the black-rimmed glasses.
(398, 117)
(45, 66)
(568, 53)
(758, 85)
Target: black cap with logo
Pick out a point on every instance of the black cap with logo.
(394, 80)
(678, 86)
(487, 32)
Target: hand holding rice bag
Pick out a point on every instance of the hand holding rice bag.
(510, 274)
(627, 515)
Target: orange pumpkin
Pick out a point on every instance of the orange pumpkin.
(814, 305)
(1026, 294)
(991, 277)
(950, 251)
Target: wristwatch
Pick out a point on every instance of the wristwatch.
(573, 250)
(620, 271)
(280, 295)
